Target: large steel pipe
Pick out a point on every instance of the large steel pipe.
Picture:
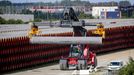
(66, 40)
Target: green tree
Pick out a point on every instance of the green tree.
(128, 69)
(37, 20)
(1, 12)
(124, 3)
(11, 21)
(85, 16)
(5, 3)
(19, 21)
(26, 11)
(133, 14)
(2, 21)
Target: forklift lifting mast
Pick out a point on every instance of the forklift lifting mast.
(79, 55)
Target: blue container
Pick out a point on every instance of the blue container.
(112, 14)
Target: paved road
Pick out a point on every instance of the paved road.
(103, 60)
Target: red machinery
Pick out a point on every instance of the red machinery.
(80, 54)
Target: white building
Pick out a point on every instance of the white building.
(96, 11)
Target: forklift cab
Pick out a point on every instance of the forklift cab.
(75, 51)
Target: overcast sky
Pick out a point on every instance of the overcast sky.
(22, 1)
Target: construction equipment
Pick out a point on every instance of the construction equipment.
(100, 30)
(80, 54)
(34, 30)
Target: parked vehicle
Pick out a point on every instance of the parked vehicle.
(115, 65)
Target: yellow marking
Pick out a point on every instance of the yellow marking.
(100, 30)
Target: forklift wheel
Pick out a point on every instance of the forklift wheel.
(82, 64)
(95, 62)
(63, 64)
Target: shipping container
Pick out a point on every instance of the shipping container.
(113, 15)
(110, 15)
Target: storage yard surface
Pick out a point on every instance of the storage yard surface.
(103, 60)
(10, 31)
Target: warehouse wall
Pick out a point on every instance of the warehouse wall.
(22, 17)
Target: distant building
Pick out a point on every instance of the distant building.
(59, 9)
(23, 17)
(14, 9)
(46, 9)
(103, 11)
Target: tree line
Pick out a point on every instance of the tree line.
(10, 21)
(70, 2)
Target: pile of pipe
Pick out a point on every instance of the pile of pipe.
(17, 53)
